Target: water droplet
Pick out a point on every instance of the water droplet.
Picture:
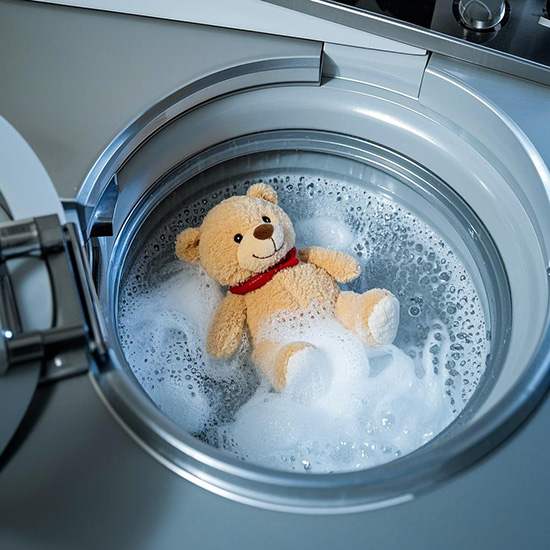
(414, 311)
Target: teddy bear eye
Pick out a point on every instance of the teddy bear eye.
(266, 219)
(238, 238)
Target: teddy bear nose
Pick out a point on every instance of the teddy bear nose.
(263, 232)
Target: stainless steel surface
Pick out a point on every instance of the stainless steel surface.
(74, 79)
(97, 338)
(526, 104)
(521, 48)
(77, 320)
(48, 243)
(481, 14)
(101, 220)
(268, 72)
(18, 238)
(247, 15)
(397, 72)
(78, 480)
(9, 317)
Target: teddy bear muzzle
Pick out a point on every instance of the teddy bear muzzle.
(261, 247)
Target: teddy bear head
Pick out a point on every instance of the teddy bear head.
(240, 237)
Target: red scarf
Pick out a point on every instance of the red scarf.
(256, 282)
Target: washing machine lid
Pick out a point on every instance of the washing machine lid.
(26, 191)
(24, 183)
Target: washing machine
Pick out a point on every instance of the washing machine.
(113, 113)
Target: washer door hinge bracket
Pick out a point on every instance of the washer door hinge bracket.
(77, 323)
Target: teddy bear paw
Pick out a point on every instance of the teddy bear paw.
(306, 374)
(384, 320)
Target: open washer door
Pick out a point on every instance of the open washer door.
(29, 312)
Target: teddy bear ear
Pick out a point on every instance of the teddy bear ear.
(187, 244)
(262, 191)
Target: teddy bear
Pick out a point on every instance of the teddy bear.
(246, 243)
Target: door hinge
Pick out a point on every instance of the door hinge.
(77, 329)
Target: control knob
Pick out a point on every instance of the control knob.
(481, 15)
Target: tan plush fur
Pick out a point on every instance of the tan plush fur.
(229, 320)
(244, 236)
(272, 359)
(353, 311)
(339, 265)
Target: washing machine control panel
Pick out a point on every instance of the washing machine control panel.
(508, 35)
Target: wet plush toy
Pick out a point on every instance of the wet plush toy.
(247, 244)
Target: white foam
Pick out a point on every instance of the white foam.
(346, 416)
(164, 334)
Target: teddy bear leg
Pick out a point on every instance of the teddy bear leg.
(272, 358)
(373, 315)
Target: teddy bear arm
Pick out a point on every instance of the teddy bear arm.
(343, 267)
(227, 327)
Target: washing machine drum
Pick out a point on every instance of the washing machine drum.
(431, 208)
(455, 241)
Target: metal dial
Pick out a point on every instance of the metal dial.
(481, 15)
